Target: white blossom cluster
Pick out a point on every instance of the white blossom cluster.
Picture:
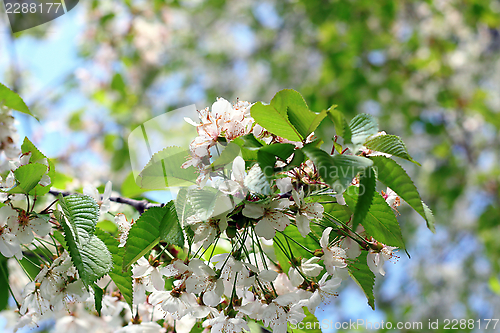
(232, 272)
(223, 120)
(225, 289)
(17, 226)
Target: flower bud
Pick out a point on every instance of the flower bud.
(318, 253)
(231, 231)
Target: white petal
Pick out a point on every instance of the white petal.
(210, 298)
(7, 212)
(157, 280)
(325, 238)
(40, 226)
(91, 191)
(314, 302)
(278, 219)
(223, 204)
(303, 225)
(9, 245)
(141, 268)
(229, 187)
(340, 199)
(222, 108)
(45, 181)
(372, 260)
(238, 169)
(295, 277)
(253, 211)
(284, 184)
(313, 210)
(24, 234)
(194, 285)
(190, 121)
(268, 275)
(265, 229)
(296, 198)
(158, 296)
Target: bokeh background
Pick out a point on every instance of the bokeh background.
(428, 70)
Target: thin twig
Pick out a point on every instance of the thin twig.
(139, 205)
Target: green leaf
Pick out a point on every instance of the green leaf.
(297, 159)
(98, 293)
(380, 220)
(227, 156)
(310, 324)
(274, 121)
(316, 121)
(281, 257)
(339, 170)
(341, 126)
(389, 144)
(12, 100)
(429, 218)
(40, 190)
(88, 253)
(122, 279)
(290, 102)
(170, 228)
(38, 157)
(92, 259)
(197, 328)
(58, 236)
(4, 282)
(367, 182)
(82, 213)
(144, 235)
(28, 176)
(164, 170)
(29, 147)
(309, 242)
(31, 266)
(364, 277)
(341, 212)
(248, 141)
(362, 127)
(267, 156)
(395, 177)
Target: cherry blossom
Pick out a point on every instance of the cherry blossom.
(377, 258)
(176, 303)
(9, 243)
(325, 291)
(308, 267)
(333, 256)
(204, 280)
(225, 324)
(144, 270)
(103, 202)
(306, 212)
(270, 217)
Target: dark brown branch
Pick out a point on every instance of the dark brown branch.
(139, 205)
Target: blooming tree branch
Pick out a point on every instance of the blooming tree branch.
(270, 227)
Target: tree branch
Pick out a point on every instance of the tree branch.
(139, 205)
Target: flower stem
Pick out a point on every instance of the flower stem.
(293, 240)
